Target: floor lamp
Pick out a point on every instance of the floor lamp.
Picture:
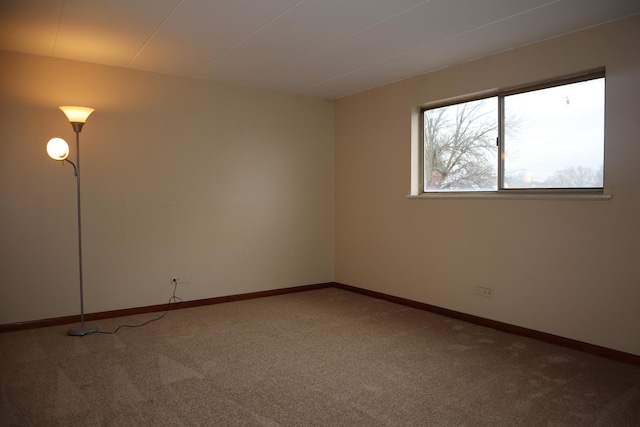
(58, 149)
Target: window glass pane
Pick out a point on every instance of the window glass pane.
(554, 138)
(460, 152)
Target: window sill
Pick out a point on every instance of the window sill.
(513, 196)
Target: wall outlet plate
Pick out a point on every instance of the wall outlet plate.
(483, 291)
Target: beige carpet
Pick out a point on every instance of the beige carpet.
(326, 358)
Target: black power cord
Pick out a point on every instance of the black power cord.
(174, 299)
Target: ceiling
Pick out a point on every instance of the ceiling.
(326, 48)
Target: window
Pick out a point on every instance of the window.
(547, 137)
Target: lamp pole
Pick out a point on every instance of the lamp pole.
(82, 329)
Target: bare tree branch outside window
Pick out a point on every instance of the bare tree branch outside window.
(460, 146)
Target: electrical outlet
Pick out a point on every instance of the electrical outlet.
(483, 292)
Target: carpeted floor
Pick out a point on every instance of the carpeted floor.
(327, 357)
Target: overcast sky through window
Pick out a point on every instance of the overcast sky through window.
(555, 129)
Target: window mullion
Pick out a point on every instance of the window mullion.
(500, 143)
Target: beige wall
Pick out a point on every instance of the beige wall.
(229, 187)
(570, 268)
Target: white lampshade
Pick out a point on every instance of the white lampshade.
(57, 149)
(76, 114)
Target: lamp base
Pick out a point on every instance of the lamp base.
(82, 330)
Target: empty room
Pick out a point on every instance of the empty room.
(313, 212)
